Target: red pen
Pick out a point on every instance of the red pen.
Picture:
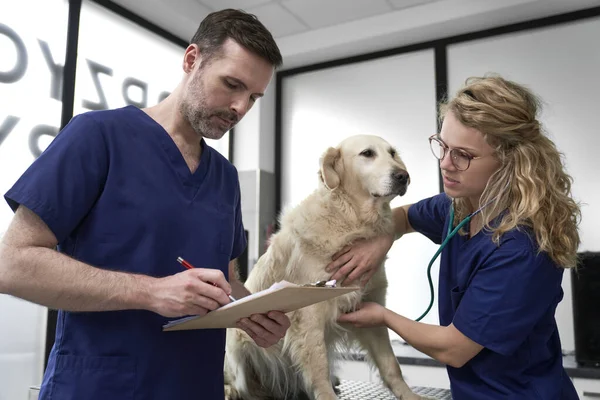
(190, 266)
(184, 263)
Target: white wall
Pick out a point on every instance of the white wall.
(247, 139)
(266, 160)
(254, 151)
(561, 65)
(393, 98)
(255, 135)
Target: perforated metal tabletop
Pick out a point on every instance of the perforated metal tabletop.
(356, 390)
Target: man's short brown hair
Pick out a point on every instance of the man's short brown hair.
(240, 26)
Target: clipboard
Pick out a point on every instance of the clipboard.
(281, 296)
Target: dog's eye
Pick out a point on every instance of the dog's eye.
(393, 153)
(367, 153)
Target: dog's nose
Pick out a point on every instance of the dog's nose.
(401, 177)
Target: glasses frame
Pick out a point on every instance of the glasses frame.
(453, 153)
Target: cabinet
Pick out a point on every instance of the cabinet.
(587, 389)
(34, 392)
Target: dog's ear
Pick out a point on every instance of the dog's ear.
(329, 175)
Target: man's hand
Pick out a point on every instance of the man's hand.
(189, 292)
(360, 260)
(265, 329)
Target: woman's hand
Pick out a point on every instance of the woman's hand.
(360, 260)
(368, 314)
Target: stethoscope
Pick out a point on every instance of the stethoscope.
(450, 235)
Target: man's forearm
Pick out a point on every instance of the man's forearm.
(47, 277)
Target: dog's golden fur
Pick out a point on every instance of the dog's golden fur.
(359, 178)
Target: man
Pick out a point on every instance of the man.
(123, 194)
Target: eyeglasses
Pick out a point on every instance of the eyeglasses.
(460, 159)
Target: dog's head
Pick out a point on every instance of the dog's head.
(365, 166)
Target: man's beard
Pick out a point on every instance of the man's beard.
(202, 119)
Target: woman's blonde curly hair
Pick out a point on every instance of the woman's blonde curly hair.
(531, 184)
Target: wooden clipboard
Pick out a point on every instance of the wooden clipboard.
(282, 296)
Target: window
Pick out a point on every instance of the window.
(32, 52)
(120, 63)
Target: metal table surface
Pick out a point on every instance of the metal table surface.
(356, 390)
(351, 390)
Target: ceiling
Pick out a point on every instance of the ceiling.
(310, 31)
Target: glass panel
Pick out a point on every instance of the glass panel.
(140, 68)
(32, 52)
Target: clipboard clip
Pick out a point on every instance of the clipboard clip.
(330, 283)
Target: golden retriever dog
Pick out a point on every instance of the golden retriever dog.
(358, 179)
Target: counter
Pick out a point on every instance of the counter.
(407, 355)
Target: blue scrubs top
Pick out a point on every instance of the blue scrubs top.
(117, 193)
(504, 298)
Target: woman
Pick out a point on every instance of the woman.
(500, 274)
